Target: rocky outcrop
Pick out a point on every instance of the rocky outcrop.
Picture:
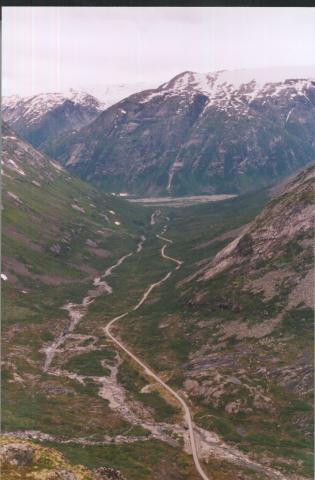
(106, 473)
(24, 459)
(16, 454)
(252, 355)
(286, 219)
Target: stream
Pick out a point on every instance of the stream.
(77, 311)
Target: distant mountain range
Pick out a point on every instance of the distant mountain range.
(221, 132)
(44, 117)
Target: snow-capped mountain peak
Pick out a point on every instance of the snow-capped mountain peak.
(39, 118)
(34, 107)
(207, 83)
(235, 89)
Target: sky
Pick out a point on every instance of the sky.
(47, 49)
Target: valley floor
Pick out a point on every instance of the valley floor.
(178, 201)
(140, 418)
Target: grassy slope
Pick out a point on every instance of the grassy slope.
(44, 217)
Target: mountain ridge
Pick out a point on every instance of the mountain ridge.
(43, 117)
(196, 134)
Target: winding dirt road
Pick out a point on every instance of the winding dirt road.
(147, 370)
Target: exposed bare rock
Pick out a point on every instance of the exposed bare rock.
(106, 473)
(243, 330)
(60, 475)
(303, 292)
(16, 454)
(286, 218)
(55, 248)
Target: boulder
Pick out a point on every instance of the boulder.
(17, 454)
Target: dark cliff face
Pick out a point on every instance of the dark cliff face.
(43, 118)
(193, 137)
(62, 119)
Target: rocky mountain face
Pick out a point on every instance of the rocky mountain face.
(269, 267)
(42, 118)
(197, 133)
(286, 219)
(254, 305)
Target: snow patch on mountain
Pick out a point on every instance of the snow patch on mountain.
(266, 75)
(10, 100)
(100, 96)
(35, 107)
(13, 166)
(225, 86)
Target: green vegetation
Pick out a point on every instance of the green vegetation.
(43, 463)
(160, 461)
(57, 407)
(273, 437)
(134, 381)
(182, 322)
(90, 363)
(299, 321)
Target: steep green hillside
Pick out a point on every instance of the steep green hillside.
(58, 233)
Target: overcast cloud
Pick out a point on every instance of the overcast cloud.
(55, 48)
